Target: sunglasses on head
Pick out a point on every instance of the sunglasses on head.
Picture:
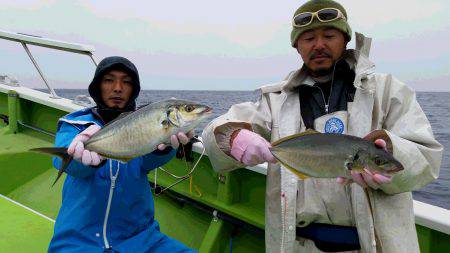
(323, 15)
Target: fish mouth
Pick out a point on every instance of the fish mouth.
(208, 110)
(387, 172)
(394, 169)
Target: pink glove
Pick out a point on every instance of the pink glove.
(367, 178)
(251, 149)
(76, 148)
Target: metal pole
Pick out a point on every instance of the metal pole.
(93, 59)
(50, 89)
(37, 129)
(12, 111)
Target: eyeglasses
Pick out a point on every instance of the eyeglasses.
(323, 15)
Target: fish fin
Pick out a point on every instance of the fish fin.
(121, 159)
(307, 132)
(105, 155)
(121, 116)
(124, 160)
(142, 106)
(170, 120)
(358, 160)
(59, 152)
(296, 172)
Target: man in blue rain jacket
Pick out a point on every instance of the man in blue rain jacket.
(107, 206)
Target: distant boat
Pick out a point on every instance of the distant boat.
(8, 80)
(212, 212)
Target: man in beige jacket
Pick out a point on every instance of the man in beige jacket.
(336, 91)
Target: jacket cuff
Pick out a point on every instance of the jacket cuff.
(381, 134)
(162, 152)
(216, 138)
(223, 134)
(417, 171)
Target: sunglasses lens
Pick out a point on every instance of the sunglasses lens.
(302, 19)
(328, 14)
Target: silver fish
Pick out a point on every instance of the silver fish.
(312, 154)
(138, 133)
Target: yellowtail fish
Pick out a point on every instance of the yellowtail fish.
(313, 154)
(138, 133)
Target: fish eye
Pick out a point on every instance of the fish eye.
(378, 161)
(189, 108)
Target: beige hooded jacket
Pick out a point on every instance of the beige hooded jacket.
(384, 217)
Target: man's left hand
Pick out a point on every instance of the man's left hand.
(368, 178)
(175, 140)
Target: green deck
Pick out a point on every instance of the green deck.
(27, 177)
(29, 231)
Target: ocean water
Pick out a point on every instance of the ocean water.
(435, 105)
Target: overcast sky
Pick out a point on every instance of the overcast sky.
(218, 45)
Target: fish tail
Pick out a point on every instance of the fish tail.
(59, 152)
(296, 172)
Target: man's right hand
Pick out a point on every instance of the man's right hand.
(250, 148)
(76, 148)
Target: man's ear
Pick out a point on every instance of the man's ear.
(297, 47)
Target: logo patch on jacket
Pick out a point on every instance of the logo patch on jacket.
(334, 126)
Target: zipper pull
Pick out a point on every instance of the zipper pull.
(326, 108)
(113, 182)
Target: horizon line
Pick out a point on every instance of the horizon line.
(211, 90)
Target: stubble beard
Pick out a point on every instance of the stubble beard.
(320, 71)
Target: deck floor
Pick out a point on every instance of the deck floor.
(23, 230)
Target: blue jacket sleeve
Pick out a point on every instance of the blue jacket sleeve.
(64, 137)
(157, 158)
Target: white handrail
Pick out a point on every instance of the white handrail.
(434, 217)
(27, 39)
(42, 98)
(48, 43)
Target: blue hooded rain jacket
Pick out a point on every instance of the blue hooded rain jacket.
(86, 222)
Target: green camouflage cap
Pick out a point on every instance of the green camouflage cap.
(313, 6)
